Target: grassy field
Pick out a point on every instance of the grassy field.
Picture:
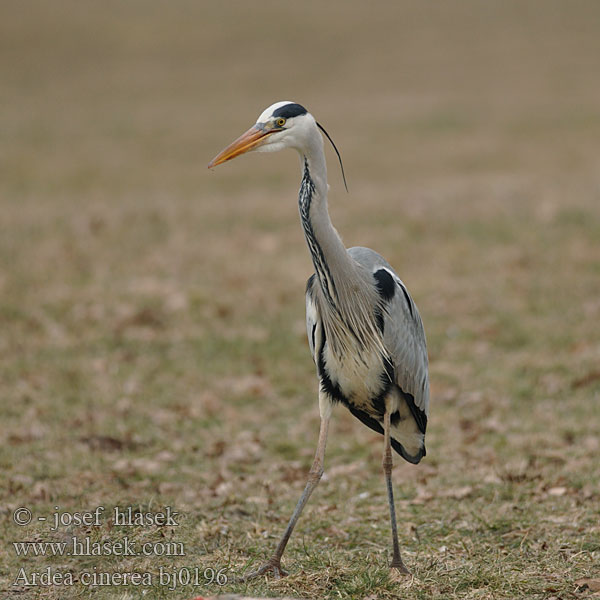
(152, 343)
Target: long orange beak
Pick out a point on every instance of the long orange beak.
(254, 137)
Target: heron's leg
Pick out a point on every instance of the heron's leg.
(387, 470)
(273, 565)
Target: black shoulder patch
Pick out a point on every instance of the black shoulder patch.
(287, 111)
(386, 286)
(331, 388)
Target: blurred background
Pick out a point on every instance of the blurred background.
(152, 336)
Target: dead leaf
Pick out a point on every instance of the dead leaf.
(588, 583)
(492, 478)
(422, 496)
(558, 519)
(40, 491)
(396, 576)
(557, 491)
(346, 469)
(457, 493)
(151, 318)
(247, 385)
(107, 443)
(587, 379)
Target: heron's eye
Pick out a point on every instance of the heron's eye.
(280, 122)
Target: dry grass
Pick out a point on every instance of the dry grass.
(153, 349)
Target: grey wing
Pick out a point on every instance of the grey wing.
(403, 332)
(404, 338)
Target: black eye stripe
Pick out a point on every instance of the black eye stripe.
(287, 111)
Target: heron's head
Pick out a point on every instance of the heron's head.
(282, 125)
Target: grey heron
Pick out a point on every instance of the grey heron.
(364, 330)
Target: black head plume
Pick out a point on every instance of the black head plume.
(336, 151)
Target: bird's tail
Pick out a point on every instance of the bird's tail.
(417, 448)
(408, 425)
(407, 432)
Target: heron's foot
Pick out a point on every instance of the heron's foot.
(271, 568)
(398, 567)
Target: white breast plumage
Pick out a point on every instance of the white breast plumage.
(358, 380)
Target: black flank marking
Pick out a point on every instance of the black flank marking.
(378, 403)
(332, 389)
(369, 421)
(386, 378)
(287, 111)
(385, 284)
(312, 334)
(408, 300)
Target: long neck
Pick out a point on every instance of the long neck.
(348, 297)
(332, 264)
